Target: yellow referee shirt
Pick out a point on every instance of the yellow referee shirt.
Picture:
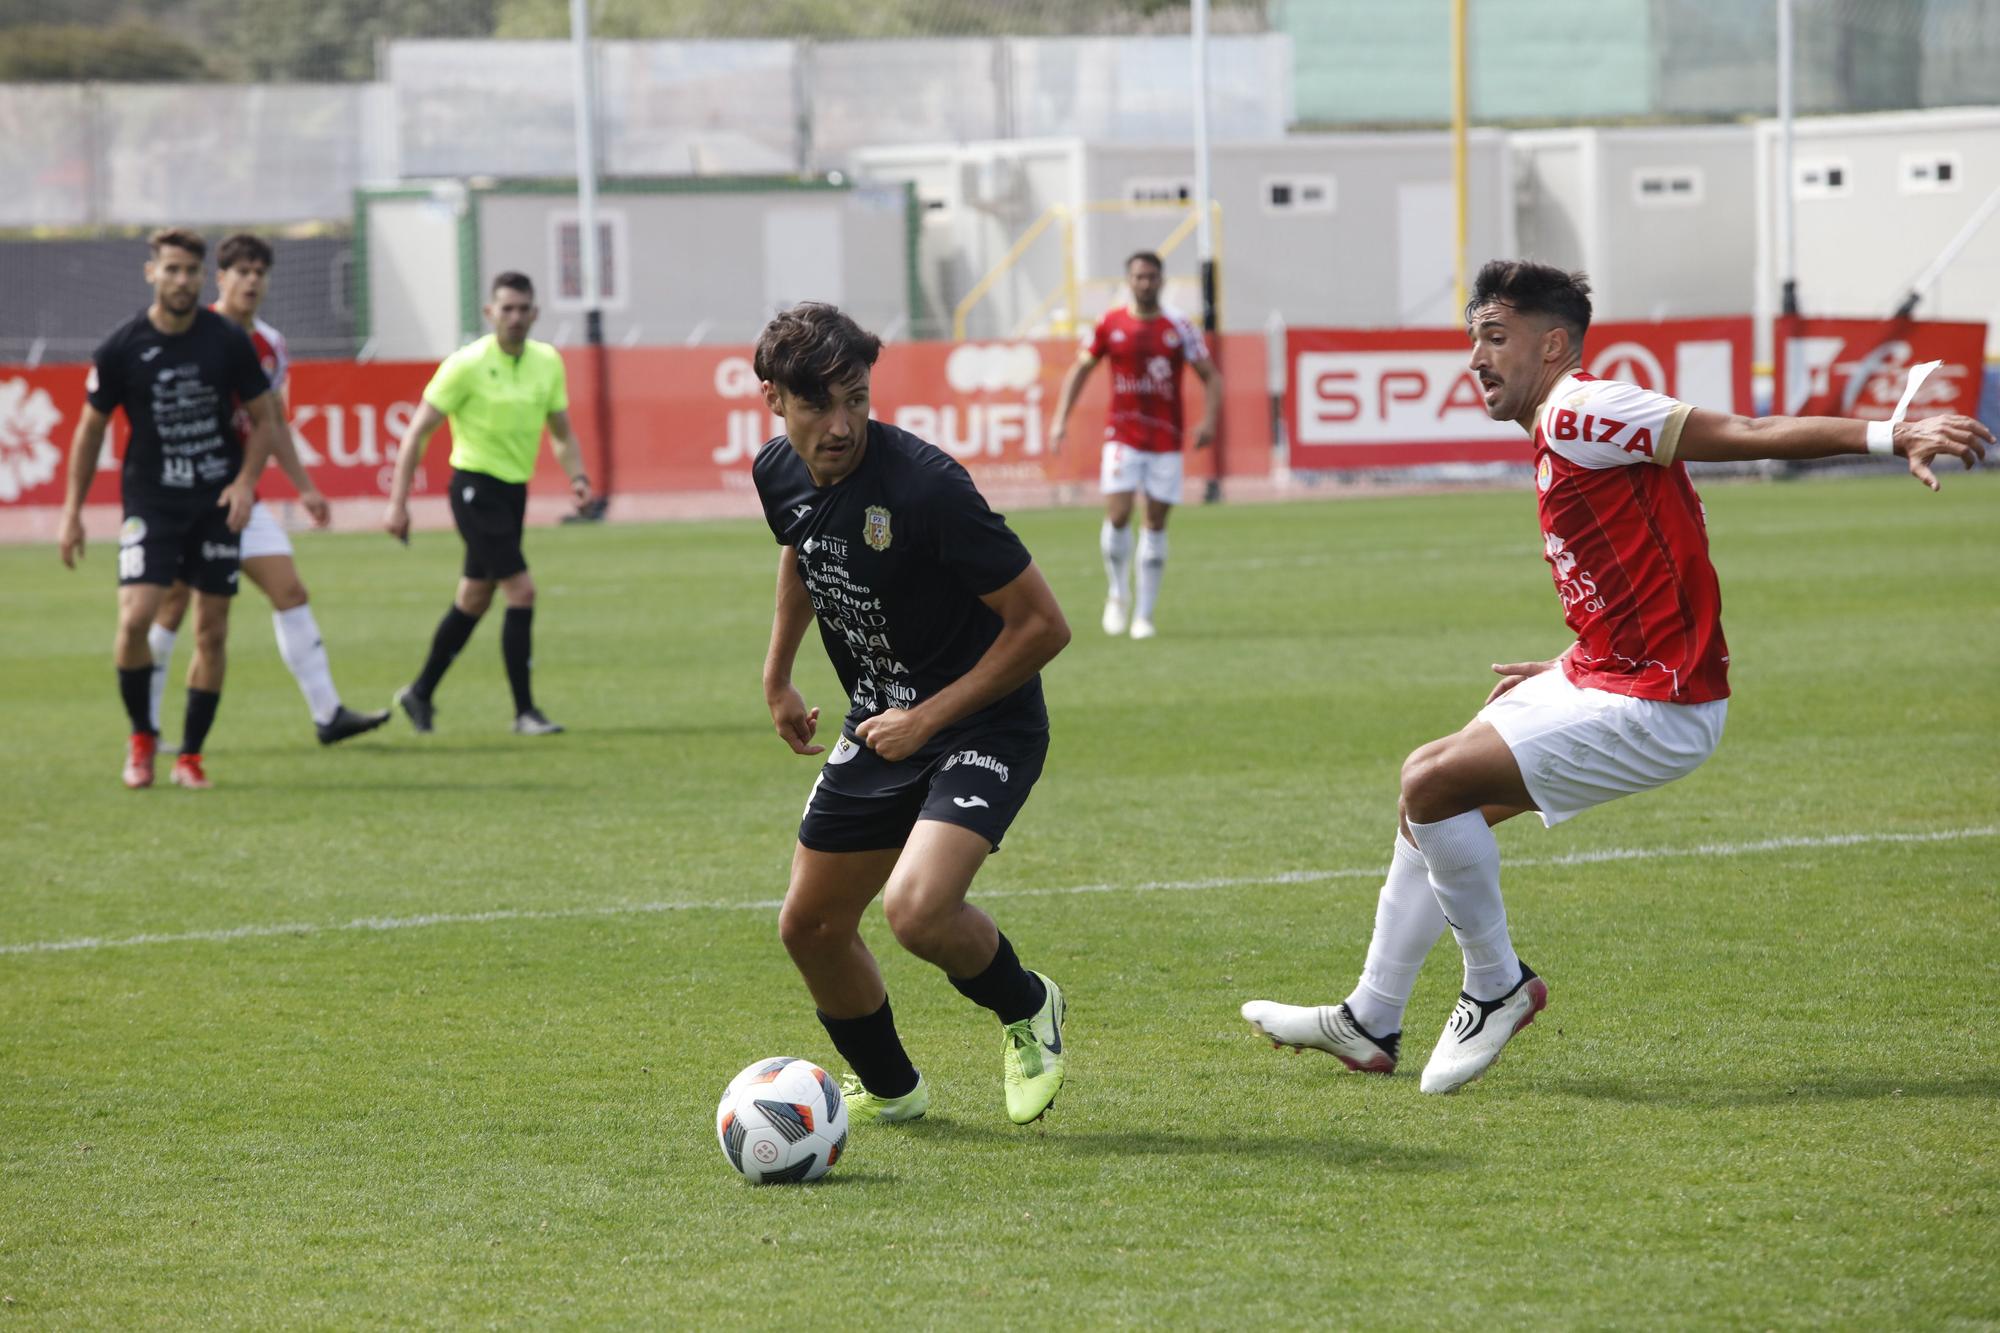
(498, 404)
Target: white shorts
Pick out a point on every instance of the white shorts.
(263, 535)
(1127, 469)
(1581, 747)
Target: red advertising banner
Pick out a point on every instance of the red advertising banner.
(1858, 367)
(686, 419)
(1373, 398)
(346, 420)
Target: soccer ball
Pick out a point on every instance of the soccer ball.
(782, 1121)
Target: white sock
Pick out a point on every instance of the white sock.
(300, 646)
(1464, 861)
(160, 640)
(1116, 544)
(1152, 564)
(1408, 921)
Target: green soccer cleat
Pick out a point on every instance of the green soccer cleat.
(865, 1105)
(1033, 1059)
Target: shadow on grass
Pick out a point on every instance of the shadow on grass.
(1333, 1149)
(1781, 1092)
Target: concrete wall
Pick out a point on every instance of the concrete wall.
(78, 155)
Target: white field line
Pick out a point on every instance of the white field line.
(386, 923)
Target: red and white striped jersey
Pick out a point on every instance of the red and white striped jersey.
(1146, 357)
(1626, 539)
(273, 356)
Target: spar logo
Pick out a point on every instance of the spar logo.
(1395, 397)
(28, 454)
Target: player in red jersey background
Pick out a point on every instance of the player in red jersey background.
(1635, 702)
(1147, 345)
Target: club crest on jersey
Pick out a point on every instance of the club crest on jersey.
(1171, 339)
(875, 528)
(1544, 474)
(132, 532)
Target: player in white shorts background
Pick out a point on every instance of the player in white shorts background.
(1147, 345)
(242, 273)
(1637, 701)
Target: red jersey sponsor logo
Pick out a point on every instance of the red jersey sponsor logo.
(1626, 542)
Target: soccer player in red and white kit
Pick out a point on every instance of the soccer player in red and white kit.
(242, 279)
(1147, 344)
(1637, 701)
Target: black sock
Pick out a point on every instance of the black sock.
(200, 717)
(517, 637)
(1005, 987)
(452, 632)
(873, 1051)
(135, 687)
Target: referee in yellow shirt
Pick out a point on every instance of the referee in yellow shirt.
(498, 394)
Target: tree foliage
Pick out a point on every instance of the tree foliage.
(333, 40)
(130, 52)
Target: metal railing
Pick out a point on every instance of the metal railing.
(1064, 217)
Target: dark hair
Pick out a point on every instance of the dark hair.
(180, 238)
(243, 246)
(1529, 288)
(811, 348)
(1147, 256)
(513, 282)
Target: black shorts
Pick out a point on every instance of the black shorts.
(490, 514)
(186, 542)
(862, 803)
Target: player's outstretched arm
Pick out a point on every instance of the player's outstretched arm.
(84, 446)
(284, 451)
(409, 456)
(1066, 400)
(795, 722)
(569, 454)
(1032, 632)
(1719, 437)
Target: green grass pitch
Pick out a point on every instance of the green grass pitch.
(428, 1031)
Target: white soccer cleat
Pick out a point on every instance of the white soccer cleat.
(1114, 616)
(1479, 1029)
(1143, 629)
(1325, 1027)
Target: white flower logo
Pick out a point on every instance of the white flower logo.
(27, 458)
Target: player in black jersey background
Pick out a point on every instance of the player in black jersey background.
(938, 624)
(187, 481)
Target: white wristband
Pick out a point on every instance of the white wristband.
(1881, 437)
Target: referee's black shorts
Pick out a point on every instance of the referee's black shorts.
(490, 514)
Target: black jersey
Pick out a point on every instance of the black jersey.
(179, 392)
(896, 556)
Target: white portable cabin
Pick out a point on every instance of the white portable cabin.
(1345, 229)
(1664, 220)
(1877, 198)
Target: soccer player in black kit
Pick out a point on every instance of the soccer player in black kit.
(178, 370)
(938, 624)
